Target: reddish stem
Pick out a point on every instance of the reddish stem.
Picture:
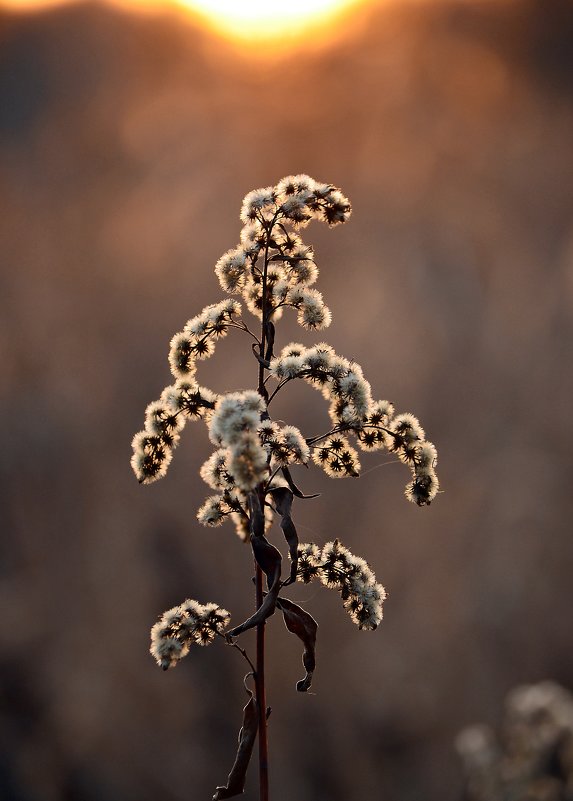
(261, 695)
(260, 674)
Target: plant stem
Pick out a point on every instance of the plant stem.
(261, 695)
(260, 672)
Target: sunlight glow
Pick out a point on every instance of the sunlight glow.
(278, 21)
(262, 19)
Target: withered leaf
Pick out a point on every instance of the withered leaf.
(255, 348)
(257, 516)
(283, 499)
(270, 332)
(247, 735)
(269, 560)
(299, 622)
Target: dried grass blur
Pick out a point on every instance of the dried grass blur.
(126, 145)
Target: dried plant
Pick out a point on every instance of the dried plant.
(531, 757)
(250, 468)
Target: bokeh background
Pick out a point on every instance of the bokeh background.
(127, 142)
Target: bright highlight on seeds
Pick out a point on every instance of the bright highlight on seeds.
(273, 270)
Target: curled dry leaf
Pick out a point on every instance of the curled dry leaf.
(269, 559)
(247, 735)
(299, 622)
(257, 515)
(283, 498)
(255, 348)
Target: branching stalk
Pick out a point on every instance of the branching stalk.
(273, 268)
(260, 667)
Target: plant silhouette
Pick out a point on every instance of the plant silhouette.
(249, 470)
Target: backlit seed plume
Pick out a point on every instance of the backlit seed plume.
(215, 471)
(248, 463)
(184, 625)
(199, 337)
(285, 445)
(213, 511)
(164, 420)
(352, 410)
(256, 463)
(336, 567)
(273, 268)
(337, 457)
(235, 414)
(151, 457)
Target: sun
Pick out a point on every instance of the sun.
(265, 19)
(276, 22)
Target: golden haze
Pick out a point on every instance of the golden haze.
(243, 20)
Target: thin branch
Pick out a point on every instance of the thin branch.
(341, 428)
(279, 387)
(244, 327)
(233, 644)
(336, 430)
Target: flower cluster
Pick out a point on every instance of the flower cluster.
(341, 381)
(352, 576)
(352, 409)
(199, 336)
(285, 445)
(284, 279)
(230, 502)
(532, 757)
(291, 269)
(239, 464)
(185, 399)
(249, 471)
(234, 425)
(337, 457)
(180, 627)
(164, 420)
(298, 199)
(251, 450)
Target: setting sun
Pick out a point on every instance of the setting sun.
(244, 20)
(255, 19)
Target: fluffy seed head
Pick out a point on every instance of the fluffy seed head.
(292, 184)
(214, 471)
(309, 561)
(151, 457)
(231, 270)
(407, 427)
(423, 488)
(213, 511)
(337, 457)
(182, 356)
(184, 625)
(259, 203)
(248, 463)
(295, 444)
(163, 422)
(235, 414)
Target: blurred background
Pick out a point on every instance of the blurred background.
(127, 141)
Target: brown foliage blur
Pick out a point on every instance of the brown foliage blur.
(126, 145)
